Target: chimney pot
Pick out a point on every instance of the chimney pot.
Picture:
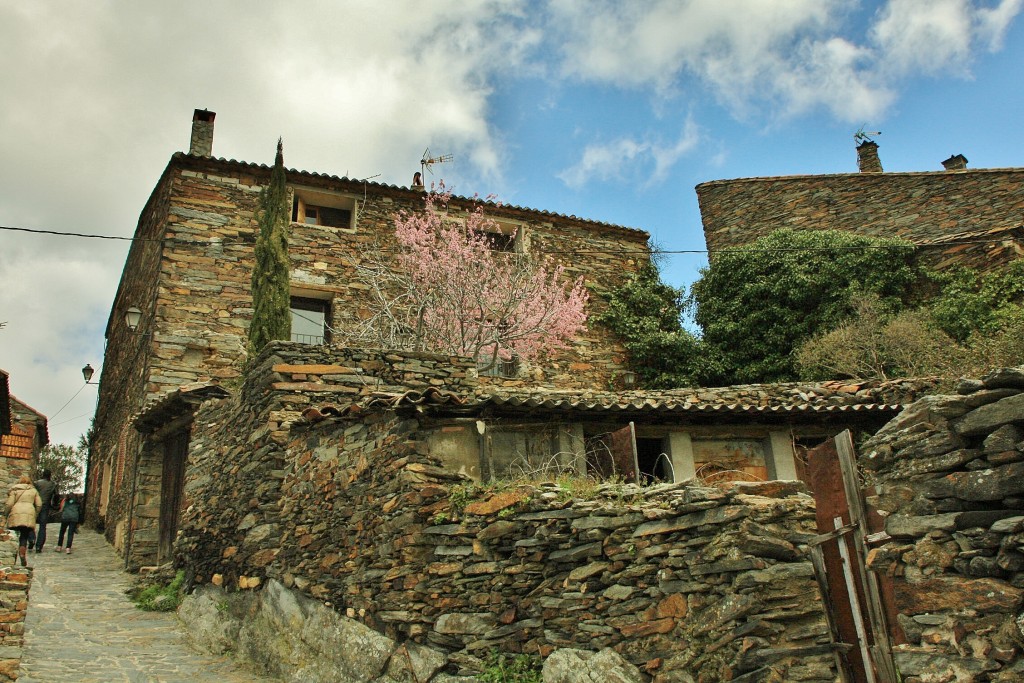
(956, 162)
(202, 133)
(867, 157)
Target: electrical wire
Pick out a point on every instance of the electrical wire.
(579, 252)
(68, 401)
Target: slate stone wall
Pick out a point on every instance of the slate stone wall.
(950, 473)
(15, 583)
(354, 513)
(919, 207)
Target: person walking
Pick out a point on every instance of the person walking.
(23, 505)
(70, 512)
(47, 489)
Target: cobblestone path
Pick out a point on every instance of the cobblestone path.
(82, 628)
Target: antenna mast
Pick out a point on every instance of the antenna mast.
(427, 161)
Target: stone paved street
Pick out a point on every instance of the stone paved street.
(81, 626)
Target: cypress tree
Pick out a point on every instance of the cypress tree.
(271, 317)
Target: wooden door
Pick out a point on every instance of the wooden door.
(172, 483)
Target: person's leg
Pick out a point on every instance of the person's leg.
(72, 526)
(41, 532)
(23, 535)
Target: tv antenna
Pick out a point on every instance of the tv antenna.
(862, 135)
(427, 161)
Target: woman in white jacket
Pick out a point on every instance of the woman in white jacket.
(23, 504)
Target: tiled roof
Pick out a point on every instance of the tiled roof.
(166, 407)
(23, 412)
(822, 399)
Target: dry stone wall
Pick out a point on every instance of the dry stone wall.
(950, 475)
(15, 583)
(683, 581)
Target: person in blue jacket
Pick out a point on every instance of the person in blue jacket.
(70, 510)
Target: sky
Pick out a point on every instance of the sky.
(603, 109)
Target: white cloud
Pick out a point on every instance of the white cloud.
(938, 36)
(97, 96)
(626, 158)
(993, 23)
(791, 56)
(923, 36)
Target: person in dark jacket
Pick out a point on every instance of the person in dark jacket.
(47, 493)
(70, 511)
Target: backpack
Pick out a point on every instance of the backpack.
(70, 512)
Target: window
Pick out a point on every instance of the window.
(507, 237)
(499, 241)
(309, 320)
(323, 215)
(315, 207)
(502, 368)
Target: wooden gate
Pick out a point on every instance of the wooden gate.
(858, 602)
(172, 483)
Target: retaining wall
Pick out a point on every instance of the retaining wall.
(950, 472)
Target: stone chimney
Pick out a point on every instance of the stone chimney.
(957, 162)
(202, 133)
(867, 157)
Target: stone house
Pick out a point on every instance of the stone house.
(23, 435)
(183, 305)
(471, 430)
(958, 215)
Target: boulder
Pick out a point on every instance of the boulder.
(569, 665)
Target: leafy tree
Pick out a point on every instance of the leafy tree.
(66, 465)
(271, 316)
(757, 304)
(646, 314)
(448, 290)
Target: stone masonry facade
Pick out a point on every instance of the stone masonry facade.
(970, 217)
(949, 478)
(15, 583)
(353, 512)
(190, 274)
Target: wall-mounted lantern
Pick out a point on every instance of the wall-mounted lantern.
(132, 317)
(628, 378)
(87, 373)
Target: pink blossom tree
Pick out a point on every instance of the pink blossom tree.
(447, 289)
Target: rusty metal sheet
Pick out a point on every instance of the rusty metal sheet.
(623, 446)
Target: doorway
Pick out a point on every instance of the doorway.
(172, 484)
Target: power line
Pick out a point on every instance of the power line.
(628, 252)
(68, 401)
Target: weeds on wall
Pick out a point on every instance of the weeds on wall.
(504, 668)
(160, 597)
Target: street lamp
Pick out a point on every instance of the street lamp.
(87, 373)
(132, 317)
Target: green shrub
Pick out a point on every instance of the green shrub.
(646, 314)
(159, 597)
(503, 668)
(758, 304)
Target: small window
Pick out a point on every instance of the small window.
(503, 368)
(499, 241)
(309, 320)
(322, 208)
